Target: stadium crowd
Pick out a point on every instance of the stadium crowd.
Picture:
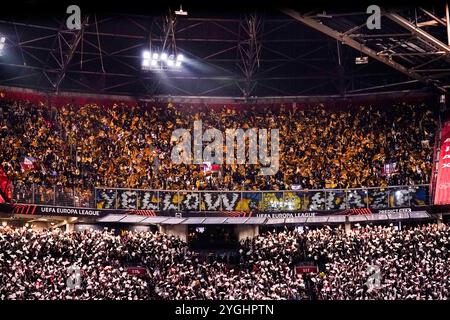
(130, 146)
(413, 263)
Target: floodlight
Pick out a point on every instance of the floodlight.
(155, 56)
(146, 63)
(153, 63)
(146, 54)
(2, 39)
(178, 64)
(170, 63)
(164, 56)
(180, 57)
(362, 60)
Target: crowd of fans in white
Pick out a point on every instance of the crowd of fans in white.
(414, 264)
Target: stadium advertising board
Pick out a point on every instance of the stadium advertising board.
(43, 210)
(306, 269)
(442, 193)
(137, 271)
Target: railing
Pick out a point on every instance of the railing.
(55, 195)
(183, 200)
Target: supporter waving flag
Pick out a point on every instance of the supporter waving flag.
(28, 164)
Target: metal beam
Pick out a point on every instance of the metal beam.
(382, 35)
(249, 48)
(383, 86)
(447, 22)
(418, 32)
(433, 16)
(68, 57)
(359, 46)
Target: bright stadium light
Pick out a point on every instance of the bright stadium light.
(161, 61)
(2, 44)
(146, 54)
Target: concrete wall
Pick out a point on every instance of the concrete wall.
(70, 227)
(79, 227)
(177, 230)
(246, 231)
(348, 228)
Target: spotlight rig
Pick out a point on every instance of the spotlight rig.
(166, 56)
(161, 61)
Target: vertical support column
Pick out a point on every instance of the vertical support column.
(304, 202)
(366, 192)
(137, 200)
(346, 199)
(73, 197)
(70, 227)
(347, 226)
(410, 194)
(249, 48)
(439, 220)
(447, 22)
(157, 195)
(341, 69)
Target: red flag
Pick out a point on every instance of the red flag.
(207, 167)
(5, 187)
(28, 164)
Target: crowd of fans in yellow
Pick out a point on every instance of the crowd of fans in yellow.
(130, 146)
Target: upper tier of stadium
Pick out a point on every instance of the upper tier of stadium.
(130, 146)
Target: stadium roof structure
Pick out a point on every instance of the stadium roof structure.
(249, 54)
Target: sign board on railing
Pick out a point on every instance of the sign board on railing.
(306, 269)
(227, 201)
(266, 201)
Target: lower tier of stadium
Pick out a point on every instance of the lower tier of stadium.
(41, 260)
